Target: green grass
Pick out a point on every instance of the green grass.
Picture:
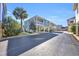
(24, 33)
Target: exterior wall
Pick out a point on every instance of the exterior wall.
(41, 26)
(77, 13)
(71, 22)
(3, 44)
(0, 22)
(69, 28)
(77, 17)
(26, 26)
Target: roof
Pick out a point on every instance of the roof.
(40, 18)
(71, 19)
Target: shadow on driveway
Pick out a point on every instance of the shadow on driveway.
(19, 45)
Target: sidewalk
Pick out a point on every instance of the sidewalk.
(76, 37)
(3, 48)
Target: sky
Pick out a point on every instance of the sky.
(57, 13)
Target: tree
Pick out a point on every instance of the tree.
(21, 14)
(11, 27)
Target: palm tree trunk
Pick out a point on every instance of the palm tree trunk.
(22, 28)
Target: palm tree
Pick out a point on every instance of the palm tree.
(21, 14)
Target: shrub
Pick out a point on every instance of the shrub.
(11, 27)
(73, 29)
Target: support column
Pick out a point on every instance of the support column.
(48, 29)
(39, 28)
(44, 29)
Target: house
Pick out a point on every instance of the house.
(71, 22)
(59, 27)
(64, 28)
(76, 10)
(38, 24)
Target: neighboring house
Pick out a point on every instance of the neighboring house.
(76, 9)
(59, 27)
(71, 22)
(38, 24)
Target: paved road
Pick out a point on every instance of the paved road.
(16, 46)
(62, 45)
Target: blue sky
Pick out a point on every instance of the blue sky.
(57, 13)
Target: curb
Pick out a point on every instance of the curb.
(3, 39)
(6, 38)
(75, 36)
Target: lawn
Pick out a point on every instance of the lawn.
(25, 33)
